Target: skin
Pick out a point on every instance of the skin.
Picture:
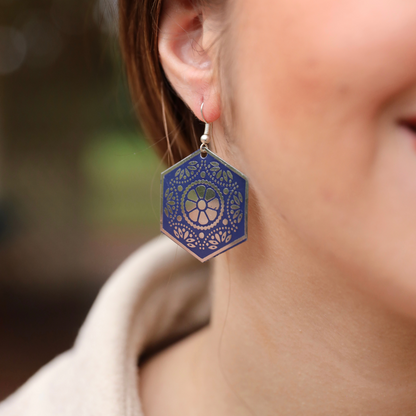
(316, 313)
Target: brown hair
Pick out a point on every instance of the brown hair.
(160, 110)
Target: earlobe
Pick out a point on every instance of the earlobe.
(186, 56)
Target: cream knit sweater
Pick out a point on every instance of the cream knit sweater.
(160, 292)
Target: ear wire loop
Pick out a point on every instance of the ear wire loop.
(205, 138)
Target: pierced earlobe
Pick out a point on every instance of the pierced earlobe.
(190, 70)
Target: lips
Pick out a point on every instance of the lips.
(409, 124)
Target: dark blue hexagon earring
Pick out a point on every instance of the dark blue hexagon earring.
(204, 202)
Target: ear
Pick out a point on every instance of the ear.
(187, 57)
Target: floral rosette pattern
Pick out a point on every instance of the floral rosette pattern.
(204, 205)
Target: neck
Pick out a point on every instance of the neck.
(290, 335)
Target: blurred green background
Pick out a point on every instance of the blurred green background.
(79, 184)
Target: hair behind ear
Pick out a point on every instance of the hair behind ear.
(139, 33)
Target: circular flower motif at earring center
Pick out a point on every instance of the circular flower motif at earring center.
(202, 205)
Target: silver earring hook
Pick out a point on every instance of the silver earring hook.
(207, 125)
(205, 138)
(202, 113)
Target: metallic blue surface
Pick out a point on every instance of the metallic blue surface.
(204, 205)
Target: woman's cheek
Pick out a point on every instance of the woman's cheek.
(312, 92)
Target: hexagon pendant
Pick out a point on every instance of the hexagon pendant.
(204, 203)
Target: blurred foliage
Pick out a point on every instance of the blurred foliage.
(79, 185)
(122, 179)
(77, 177)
